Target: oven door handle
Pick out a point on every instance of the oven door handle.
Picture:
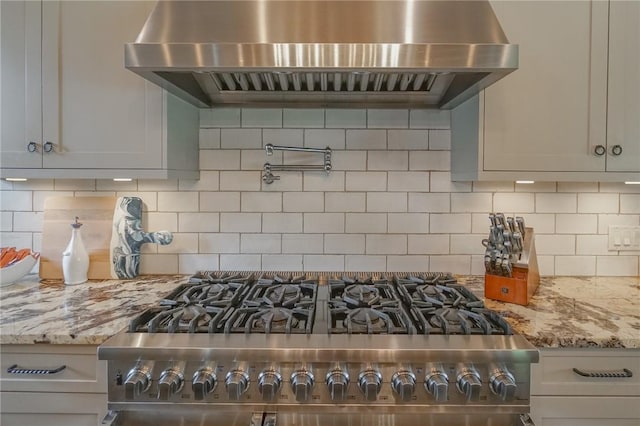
(111, 419)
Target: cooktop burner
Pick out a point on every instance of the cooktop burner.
(230, 303)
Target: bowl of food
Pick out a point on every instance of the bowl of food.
(15, 264)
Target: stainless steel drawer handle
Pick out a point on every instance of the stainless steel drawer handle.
(625, 372)
(14, 369)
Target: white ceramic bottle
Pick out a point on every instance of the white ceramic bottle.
(75, 260)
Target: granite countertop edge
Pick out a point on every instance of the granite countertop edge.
(565, 312)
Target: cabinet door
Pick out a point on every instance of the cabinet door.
(585, 411)
(20, 117)
(623, 119)
(52, 409)
(550, 113)
(98, 114)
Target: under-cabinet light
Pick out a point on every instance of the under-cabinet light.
(15, 179)
(632, 183)
(122, 179)
(527, 182)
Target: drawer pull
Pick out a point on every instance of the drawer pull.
(625, 372)
(14, 369)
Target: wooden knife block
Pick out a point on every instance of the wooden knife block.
(520, 287)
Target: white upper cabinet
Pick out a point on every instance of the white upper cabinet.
(86, 115)
(553, 118)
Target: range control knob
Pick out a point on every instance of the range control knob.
(137, 382)
(237, 383)
(203, 383)
(404, 383)
(502, 382)
(370, 381)
(170, 383)
(338, 381)
(269, 384)
(302, 384)
(436, 382)
(469, 383)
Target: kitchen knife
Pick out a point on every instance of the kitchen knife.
(500, 219)
(520, 222)
(492, 219)
(517, 243)
(511, 224)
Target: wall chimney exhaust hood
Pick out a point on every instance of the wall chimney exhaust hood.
(365, 53)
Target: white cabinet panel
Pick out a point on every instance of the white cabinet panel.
(585, 411)
(52, 409)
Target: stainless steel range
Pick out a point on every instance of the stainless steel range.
(319, 349)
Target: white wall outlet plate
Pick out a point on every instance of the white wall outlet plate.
(624, 238)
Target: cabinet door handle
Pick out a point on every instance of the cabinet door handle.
(600, 150)
(47, 147)
(625, 372)
(616, 150)
(14, 369)
(32, 146)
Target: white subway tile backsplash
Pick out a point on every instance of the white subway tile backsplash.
(466, 202)
(429, 160)
(630, 203)
(74, 184)
(282, 137)
(408, 223)
(408, 181)
(209, 181)
(467, 244)
(388, 160)
(318, 223)
(408, 139)
(244, 262)
(593, 245)
(189, 264)
(111, 185)
(303, 201)
(554, 203)
(288, 182)
(27, 221)
(441, 182)
(536, 187)
(16, 239)
(546, 265)
(625, 266)
(440, 139)
(575, 265)
(35, 185)
(429, 119)
(186, 243)
(313, 262)
(427, 202)
(240, 222)
(161, 221)
(456, 264)
(428, 244)
(344, 244)
(576, 223)
(220, 117)
(345, 202)
(303, 117)
(456, 223)
(241, 138)
(282, 222)
(387, 118)
(261, 202)
(359, 263)
(322, 138)
(209, 138)
(605, 220)
(240, 180)
(555, 244)
(219, 201)
(577, 186)
(303, 243)
(255, 159)
(219, 243)
(6, 222)
(282, 262)
(320, 181)
(490, 186)
(366, 223)
(178, 201)
(387, 202)
(260, 243)
(366, 181)
(408, 263)
(346, 118)
(386, 244)
(349, 160)
(515, 202)
(146, 185)
(198, 222)
(541, 223)
(480, 223)
(599, 203)
(619, 187)
(158, 264)
(261, 117)
(366, 139)
(219, 159)
(31, 201)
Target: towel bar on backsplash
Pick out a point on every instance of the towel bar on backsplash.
(268, 169)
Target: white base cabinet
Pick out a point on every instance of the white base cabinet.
(76, 395)
(562, 397)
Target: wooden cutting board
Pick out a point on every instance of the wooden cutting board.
(96, 215)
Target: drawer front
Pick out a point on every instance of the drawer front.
(52, 409)
(585, 411)
(82, 373)
(555, 375)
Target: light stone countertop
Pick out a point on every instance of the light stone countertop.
(565, 311)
